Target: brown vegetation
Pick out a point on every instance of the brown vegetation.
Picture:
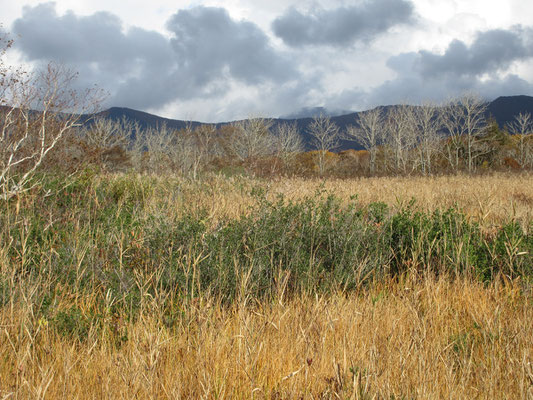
(488, 199)
(410, 336)
(425, 338)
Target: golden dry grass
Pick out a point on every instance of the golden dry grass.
(427, 339)
(489, 199)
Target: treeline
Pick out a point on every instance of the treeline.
(424, 139)
(41, 128)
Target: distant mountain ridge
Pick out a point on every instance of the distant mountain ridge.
(503, 109)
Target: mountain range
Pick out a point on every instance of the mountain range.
(502, 109)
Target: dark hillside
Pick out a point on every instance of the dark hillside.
(503, 109)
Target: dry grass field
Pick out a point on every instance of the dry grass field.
(67, 332)
(424, 339)
(489, 199)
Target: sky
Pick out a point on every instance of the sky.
(213, 60)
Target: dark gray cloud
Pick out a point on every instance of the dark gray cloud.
(491, 51)
(144, 69)
(207, 40)
(342, 26)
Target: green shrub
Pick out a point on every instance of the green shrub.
(72, 323)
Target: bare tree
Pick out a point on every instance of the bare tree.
(427, 125)
(205, 147)
(38, 111)
(288, 141)
(464, 119)
(186, 151)
(475, 125)
(158, 149)
(368, 132)
(326, 135)
(252, 138)
(401, 135)
(452, 118)
(194, 149)
(136, 142)
(522, 126)
(105, 133)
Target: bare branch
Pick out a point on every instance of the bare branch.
(288, 141)
(401, 135)
(522, 127)
(326, 137)
(368, 132)
(464, 120)
(37, 112)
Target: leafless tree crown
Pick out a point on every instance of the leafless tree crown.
(38, 111)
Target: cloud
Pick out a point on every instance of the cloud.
(215, 67)
(482, 67)
(208, 41)
(144, 69)
(342, 26)
(491, 51)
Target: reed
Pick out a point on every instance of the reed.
(135, 286)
